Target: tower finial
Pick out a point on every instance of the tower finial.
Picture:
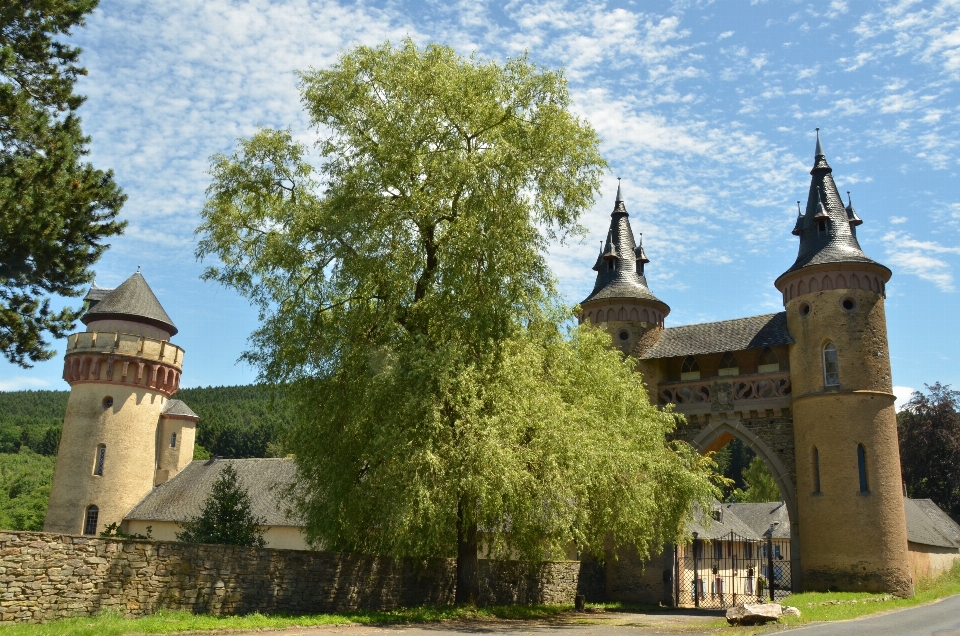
(819, 151)
(619, 194)
(138, 269)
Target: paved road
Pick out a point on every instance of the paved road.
(937, 619)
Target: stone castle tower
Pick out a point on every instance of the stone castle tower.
(809, 390)
(122, 434)
(845, 425)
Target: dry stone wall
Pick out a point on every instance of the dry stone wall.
(45, 576)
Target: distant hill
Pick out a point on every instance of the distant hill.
(235, 422)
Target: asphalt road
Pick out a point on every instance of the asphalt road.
(936, 619)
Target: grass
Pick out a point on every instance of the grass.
(169, 622)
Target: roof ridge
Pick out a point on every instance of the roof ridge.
(716, 322)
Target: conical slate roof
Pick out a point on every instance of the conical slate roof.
(838, 244)
(132, 300)
(626, 279)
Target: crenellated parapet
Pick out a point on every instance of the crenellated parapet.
(119, 358)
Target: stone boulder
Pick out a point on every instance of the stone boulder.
(754, 613)
(790, 611)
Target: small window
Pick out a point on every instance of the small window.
(718, 550)
(804, 309)
(862, 466)
(769, 362)
(821, 227)
(747, 550)
(100, 459)
(624, 335)
(849, 303)
(90, 520)
(173, 440)
(831, 365)
(729, 364)
(816, 470)
(107, 402)
(690, 370)
(611, 265)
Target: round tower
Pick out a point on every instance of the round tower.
(122, 371)
(621, 302)
(850, 503)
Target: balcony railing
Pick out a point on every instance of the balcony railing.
(723, 391)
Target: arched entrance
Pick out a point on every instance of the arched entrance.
(778, 456)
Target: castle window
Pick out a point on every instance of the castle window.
(729, 364)
(90, 520)
(831, 365)
(821, 227)
(107, 402)
(862, 466)
(769, 362)
(611, 265)
(690, 370)
(816, 470)
(101, 457)
(173, 440)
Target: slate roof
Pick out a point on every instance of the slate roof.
(929, 525)
(839, 244)
(182, 498)
(721, 529)
(177, 407)
(133, 299)
(96, 294)
(627, 280)
(759, 516)
(754, 332)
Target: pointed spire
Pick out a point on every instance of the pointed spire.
(820, 159)
(639, 253)
(798, 228)
(133, 300)
(619, 194)
(610, 249)
(851, 213)
(821, 214)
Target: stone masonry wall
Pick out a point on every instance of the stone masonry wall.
(45, 576)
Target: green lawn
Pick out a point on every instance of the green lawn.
(166, 622)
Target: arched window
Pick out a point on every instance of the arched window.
(831, 365)
(729, 364)
(90, 520)
(101, 457)
(862, 466)
(769, 362)
(173, 440)
(690, 370)
(816, 470)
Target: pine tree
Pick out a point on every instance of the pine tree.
(226, 518)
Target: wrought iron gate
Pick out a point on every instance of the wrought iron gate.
(731, 570)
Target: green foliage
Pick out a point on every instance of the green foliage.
(226, 518)
(57, 209)
(199, 452)
(114, 531)
(760, 485)
(554, 444)
(406, 303)
(731, 461)
(928, 429)
(24, 489)
(235, 421)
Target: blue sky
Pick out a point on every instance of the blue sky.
(707, 111)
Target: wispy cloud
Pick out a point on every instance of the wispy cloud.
(914, 257)
(22, 383)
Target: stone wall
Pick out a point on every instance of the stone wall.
(45, 576)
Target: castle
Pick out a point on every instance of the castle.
(808, 389)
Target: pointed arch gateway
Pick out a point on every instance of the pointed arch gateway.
(718, 433)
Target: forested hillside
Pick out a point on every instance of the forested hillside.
(235, 422)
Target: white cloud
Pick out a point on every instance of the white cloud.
(898, 220)
(913, 257)
(903, 394)
(22, 383)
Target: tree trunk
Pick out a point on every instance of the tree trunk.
(468, 573)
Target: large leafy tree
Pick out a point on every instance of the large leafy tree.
(929, 432)
(56, 209)
(405, 300)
